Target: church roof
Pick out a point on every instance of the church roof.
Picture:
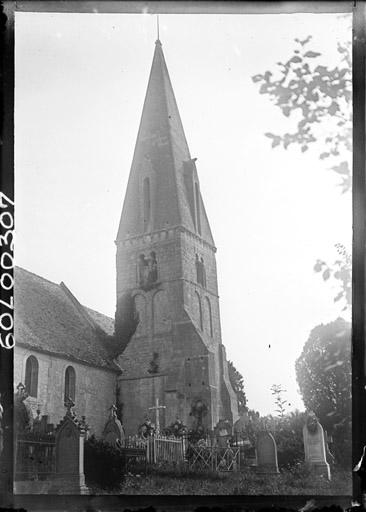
(162, 155)
(49, 318)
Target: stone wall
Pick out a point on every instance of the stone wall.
(180, 323)
(95, 388)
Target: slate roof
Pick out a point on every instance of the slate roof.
(106, 323)
(162, 151)
(49, 318)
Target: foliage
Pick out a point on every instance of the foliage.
(127, 319)
(323, 373)
(314, 94)
(289, 439)
(277, 391)
(320, 99)
(287, 431)
(237, 382)
(341, 270)
(196, 434)
(177, 429)
(295, 481)
(146, 429)
(104, 464)
(154, 364)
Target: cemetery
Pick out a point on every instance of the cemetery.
(230, 459)
(147, 402)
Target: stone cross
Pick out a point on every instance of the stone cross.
(69, 404)
(157, 408)
(113, 432)
(20, 387)
(113, 411)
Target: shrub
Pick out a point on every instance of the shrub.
(287, 431)
(146, 429)
(289, 439)
(104, 464)
(177, 429)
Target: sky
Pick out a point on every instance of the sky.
(80, 86)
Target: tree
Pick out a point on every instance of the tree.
(237, 382)
(277, 391)
(320, 100)
(127, 320)
(287, 431)
(323, 372)
(341, 271)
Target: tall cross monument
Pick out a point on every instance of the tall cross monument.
(157, 408)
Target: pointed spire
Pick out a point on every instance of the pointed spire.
(163, 187)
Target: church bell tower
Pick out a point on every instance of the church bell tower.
(166, 264)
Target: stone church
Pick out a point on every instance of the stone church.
(166, 283)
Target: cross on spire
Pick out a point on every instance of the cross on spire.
(157, 408)
(157, 27)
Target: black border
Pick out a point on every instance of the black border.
(7, 186)
(115, 502)
(358, 258)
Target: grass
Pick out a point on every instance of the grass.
(180, 481)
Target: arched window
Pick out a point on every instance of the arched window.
(200, 271)
(208, 316)
(70, 378)
(199, 311)
(198, 212)
(31, 376)
(140, 305)
(142, 270)
(160, 307)
(147, 203)
(203, 273)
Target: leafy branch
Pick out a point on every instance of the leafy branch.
(277, 391)
(319, 99)
(341, 270)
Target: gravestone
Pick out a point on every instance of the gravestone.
(23, 416)
(70, 437)
(314, 445)
(241, 424)
(241, 437)
(266, 453)
(113, 432)
(222, 433)
(328, 453)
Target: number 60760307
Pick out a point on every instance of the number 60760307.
(6, 279)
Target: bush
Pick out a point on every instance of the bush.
(146, 429)
(176, 429)
(287, 432)
(289, 439)
(104, 464)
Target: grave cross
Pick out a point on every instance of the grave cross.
(157, 408)
(69, 404)
(113, 411)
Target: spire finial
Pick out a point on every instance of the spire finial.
(157, 29)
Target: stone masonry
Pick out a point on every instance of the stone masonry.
(166, 261)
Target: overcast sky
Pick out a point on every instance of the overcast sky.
(80, 86)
